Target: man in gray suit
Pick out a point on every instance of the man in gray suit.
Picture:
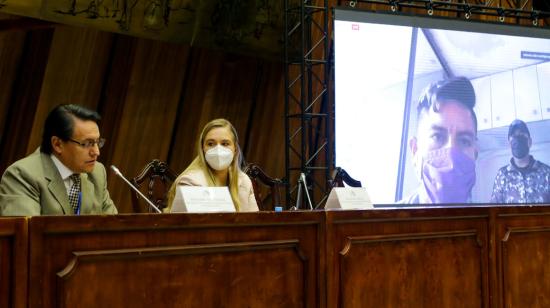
(63, 176)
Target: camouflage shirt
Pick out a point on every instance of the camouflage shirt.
(525, 185)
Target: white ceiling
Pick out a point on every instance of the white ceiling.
(475, 55)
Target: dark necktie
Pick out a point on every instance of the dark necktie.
(74, 192)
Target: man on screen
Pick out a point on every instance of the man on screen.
(444, 149)
(524, 180)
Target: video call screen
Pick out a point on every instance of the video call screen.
(383, 64)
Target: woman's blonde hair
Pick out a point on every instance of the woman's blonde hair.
(199, 163)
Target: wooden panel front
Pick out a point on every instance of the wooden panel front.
(412, 258)
(184, 260)
(231, 274)
(13, 262)
(524, 258)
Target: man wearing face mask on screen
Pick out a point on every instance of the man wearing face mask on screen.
(524, 180)
(444, 149)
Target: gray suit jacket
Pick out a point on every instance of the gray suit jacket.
(33, 186)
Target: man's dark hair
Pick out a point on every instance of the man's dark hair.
(60, 123)
(459, 89)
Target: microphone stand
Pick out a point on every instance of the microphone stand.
(151, 204)
(298, 196)
(303, 177)
(302, 184)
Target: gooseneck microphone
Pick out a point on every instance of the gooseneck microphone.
(151, 204)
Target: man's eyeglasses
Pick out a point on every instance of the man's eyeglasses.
(90, 143)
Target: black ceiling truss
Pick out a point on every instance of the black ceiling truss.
(521, 10)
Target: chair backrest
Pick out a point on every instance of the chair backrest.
(259, 178)
(154, 181)
(341, 176)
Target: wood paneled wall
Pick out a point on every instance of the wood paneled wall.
(154, 97)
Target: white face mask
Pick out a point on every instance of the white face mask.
(219, 157)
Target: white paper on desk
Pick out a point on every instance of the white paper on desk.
(348, 198)
(198, 199)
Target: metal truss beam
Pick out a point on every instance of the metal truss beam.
(306, 101)
(502, 9)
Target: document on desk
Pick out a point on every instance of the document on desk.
(349, 198)
(197, 199)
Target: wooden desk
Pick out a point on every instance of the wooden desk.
(178, 260)
(452, 257)
(414, 258)
(13, 262)
(522, 257)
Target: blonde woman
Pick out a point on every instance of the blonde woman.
(218, 163)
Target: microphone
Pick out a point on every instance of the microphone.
(335, 174)
(298, 196)
(151, 204)
(303, 178)
(302, 184)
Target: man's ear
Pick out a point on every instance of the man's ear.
(413, 145)
(57, 144)
(530, 141)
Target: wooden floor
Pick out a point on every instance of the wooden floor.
(454, 257)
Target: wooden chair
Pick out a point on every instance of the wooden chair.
(341, 176)
(158, 179)
(260, 180)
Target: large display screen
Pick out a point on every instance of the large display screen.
(442, 111)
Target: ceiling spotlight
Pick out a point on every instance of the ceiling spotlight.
(393, 5)
(535, 17)
(430, 8)
(352, 3)
(467, 11)
(501, 14)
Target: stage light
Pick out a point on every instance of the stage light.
(430, 8)
(352, 3)
(393, 5)
(467, 11)
(535, 17)
(501, 14)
